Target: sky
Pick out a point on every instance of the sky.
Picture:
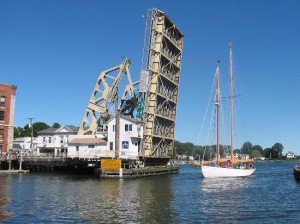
(54, 50)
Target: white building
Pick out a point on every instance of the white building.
(131, 133)
(88, 147)
(25, 144)
(290, 155)
(54, 141)
(239, 156)
(102, 145)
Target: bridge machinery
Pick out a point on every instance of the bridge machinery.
(104, 100)
(159, 83)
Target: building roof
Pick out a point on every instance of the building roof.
(128, 118)
(69, 128)
(48, 130)
(17, 146)
(87, 141)
(8, 86)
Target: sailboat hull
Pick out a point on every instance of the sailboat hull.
(216, 172)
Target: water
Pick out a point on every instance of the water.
(270, 196)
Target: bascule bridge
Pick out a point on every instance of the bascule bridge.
(152, 100)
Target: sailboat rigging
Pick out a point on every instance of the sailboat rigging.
(225, 167)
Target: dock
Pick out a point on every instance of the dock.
(13, 171)
(136, 172)
(109, 169)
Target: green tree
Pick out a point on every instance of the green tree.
(56, 125)
(259, 148)
(208, 152)
(16, 133)
(268, 153)
(256, 153)
(38, 126)
(21, 132)
(26, 131)
(277, 149)
(187, 148)
(247, 148)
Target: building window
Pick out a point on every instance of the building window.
(77, 148)
(114, 127)
(2, 101)
(1, 134)
(1, 115)
(111, 146)
(128, 127)
(61, 139)
(44, 139)
(50, 139)
(91, 146)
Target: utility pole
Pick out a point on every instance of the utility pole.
(117, 135)
(9, 159)
(21, 158)
(31, 126)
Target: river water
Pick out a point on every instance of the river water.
(271, 195)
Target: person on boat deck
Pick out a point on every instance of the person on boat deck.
(221, 164)
(251, 166)
(241, 166)
(229, 164)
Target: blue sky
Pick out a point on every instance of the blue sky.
(54, 50)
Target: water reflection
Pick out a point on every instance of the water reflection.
(226, 196)
(182, 198)
(4, 196)
(156, 196)
(225, 184)
(144, 200)
(49, 197)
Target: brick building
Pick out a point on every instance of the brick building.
(7, 110)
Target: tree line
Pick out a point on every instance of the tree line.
(25, 131)
(208, 152)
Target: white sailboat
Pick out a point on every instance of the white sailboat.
(226, 167)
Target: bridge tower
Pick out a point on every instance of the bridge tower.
(159, 84)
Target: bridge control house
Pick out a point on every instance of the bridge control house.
(104, 144)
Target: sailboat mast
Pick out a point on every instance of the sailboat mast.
(218, 93)
(231, 103)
